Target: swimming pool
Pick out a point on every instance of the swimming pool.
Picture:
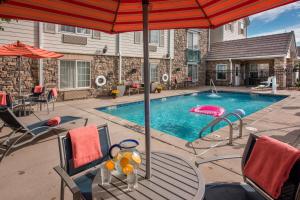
(171, 115)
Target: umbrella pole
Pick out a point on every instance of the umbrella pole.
(19, 67)
(147, 88)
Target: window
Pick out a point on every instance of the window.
(221, 70)
(97, 35)
(229, 27)
(137, 37)
(193, 40)
(193, 72)
(153, 73)
(74, 74)
(154, 37)
(242, 28)
(69, 29)
(259, 70)
(72, 29)
(49, 28)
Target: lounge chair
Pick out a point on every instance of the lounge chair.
(249, 190)
(33, 131)
(80, 186)
(265, 84)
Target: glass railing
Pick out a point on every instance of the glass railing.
(193, 55)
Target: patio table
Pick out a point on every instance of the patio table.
(172, 178)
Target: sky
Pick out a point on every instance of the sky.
(278, 20)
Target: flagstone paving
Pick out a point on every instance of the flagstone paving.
(27, 172)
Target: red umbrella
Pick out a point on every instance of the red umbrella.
(115, 16)
(20, 49)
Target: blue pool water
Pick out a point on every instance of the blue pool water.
(171, 115)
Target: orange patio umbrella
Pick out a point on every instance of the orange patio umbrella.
(116, 16)
(20, 49)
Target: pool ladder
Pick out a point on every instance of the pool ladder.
(224, 118)
(213, 87)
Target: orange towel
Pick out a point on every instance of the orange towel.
(3, 99)
(54, 92)
(85, 145)
(38, 89)
(270, 164)
(54, 121)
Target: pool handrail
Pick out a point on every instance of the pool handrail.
(224, 118)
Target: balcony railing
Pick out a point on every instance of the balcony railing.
(192, 55)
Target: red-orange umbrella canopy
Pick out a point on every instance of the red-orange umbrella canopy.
(6, 52)
(20, 49)
(115, 16)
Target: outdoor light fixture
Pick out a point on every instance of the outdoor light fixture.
(104, 49)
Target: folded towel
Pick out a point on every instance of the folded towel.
(270, 164)
(135, 85)
(3, 99)
(54, 92)
(85, 145)
(54, 121)
(38, 89)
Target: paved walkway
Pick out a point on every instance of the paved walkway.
(27, 173)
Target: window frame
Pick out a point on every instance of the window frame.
(193, 33)
(218, 71)
(158, 37)
(76, 75)
(242, 28)
(76, 30)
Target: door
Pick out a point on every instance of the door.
(193, 72)
(237, 74)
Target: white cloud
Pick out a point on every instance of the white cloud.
(271, 15)
(295, 28)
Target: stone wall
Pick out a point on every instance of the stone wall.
(9, 76)
(211, 73)
(179, 69)
(279, 71)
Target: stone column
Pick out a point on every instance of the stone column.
(279, 71)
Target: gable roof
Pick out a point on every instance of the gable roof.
(276, 45)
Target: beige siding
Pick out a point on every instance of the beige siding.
(54, 42)
(217, 34)
(129, 48)
(234, 35)
(24, 31)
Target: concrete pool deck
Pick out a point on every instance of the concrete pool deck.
(27, 173)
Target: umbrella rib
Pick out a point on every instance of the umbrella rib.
(203, 11)
(116, 15)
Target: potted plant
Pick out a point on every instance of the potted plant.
(159, 88)
(114, 93)
(121, 87)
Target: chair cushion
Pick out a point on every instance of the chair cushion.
(231, 191)
(84, 183)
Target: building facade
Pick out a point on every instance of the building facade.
(87, 54)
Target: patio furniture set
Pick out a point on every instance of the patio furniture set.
(23, 103)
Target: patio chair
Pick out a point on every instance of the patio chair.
(249, 190)
(32, 131)
(37, 95)
(46, 100)
(265, 84)
(80, 185)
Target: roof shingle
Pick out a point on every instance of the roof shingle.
(263, 46)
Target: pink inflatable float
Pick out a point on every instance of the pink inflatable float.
(215, 111)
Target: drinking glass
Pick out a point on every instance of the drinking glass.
(132, 180)
(105, 176)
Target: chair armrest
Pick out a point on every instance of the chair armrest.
(226, 157)
(68, 181)
(86, 121)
